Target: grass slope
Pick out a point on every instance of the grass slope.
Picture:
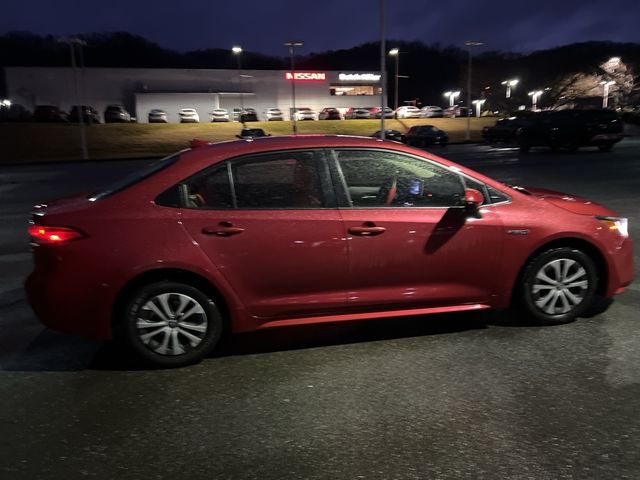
(40, 142)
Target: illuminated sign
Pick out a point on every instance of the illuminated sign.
(305, 76)
(359, 77)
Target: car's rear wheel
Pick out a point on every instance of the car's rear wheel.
(557, 286)
(605, 147)
(171, 324)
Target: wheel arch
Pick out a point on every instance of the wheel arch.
(169, 274)
(569, 242)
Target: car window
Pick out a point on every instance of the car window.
(278, 180)
(389, 179)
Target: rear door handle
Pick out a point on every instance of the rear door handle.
(223, 229)
(367, 231)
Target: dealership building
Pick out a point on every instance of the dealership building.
(143, 89)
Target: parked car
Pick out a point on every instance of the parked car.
(14, 112)
(246, 133)
(457, 111)
(219, 115)
(357, 113)
(408, 111)
(394, 135)
(273, 114)
(504, 131)
(244, 236)
(329, 113)
(304, 113)
(89, 114)
(157, 116)
(116, 113)
(425, 135)
(374, 112)
(189, 115)
(571, 129)
(49, 113)
(245, 115)
(432, 111)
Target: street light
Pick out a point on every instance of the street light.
(605, 93)
(478, 104)
(535, 96)
(470, 43)
(452, 95)
(292, 44)
(237, 51)
(396, 53)
(510, 84)
(72, 42)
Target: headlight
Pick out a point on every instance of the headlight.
(619, 224)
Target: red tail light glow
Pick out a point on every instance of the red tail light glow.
(46, 235)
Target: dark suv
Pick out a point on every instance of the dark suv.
(49, 113)
(116, 114)
(562, 129)
(89, 114)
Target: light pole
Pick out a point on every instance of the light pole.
(292, 44)
(478, 104)
(510, 84)
(452, 96)
(237, 51)
(605, 93)
(395, 52)
(535, 96)
(469, 43)
(79, 43)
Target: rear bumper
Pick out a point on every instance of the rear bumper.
(55, 301)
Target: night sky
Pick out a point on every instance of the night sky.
(262, 26)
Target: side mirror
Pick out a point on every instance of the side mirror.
(472, 200)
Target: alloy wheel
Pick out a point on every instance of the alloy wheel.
(171, 323)
(559, 286)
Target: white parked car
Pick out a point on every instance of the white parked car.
(157, 116)
(305, 113)
(219, 115)
(273, 114)
(432, 111)
(189, 115)
(408, 111)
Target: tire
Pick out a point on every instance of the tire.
(543, 292)
(605, 147)
(156, 308)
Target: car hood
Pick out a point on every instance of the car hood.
(572, 203)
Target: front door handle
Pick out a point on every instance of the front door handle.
(367, 231)
(223, 229)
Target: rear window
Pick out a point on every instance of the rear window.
(135, 177)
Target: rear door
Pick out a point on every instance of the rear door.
(269, 224)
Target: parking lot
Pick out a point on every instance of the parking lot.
(465, 396)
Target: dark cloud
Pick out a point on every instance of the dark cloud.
(334, 24)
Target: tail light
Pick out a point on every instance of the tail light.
(46, 235)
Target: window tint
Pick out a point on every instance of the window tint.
(389, 179)
(280, 180)
(208, 189)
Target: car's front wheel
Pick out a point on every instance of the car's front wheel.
(557, 286)
(171, 324)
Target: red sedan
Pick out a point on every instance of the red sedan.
(273, 232)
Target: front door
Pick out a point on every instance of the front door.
(411, 243)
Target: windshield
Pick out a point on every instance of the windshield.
(135, 177)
